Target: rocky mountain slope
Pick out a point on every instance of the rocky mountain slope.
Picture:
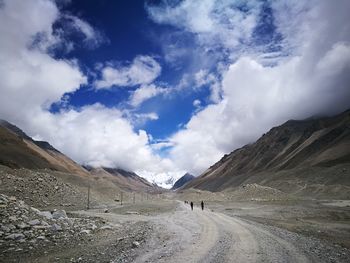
(43, 176)
(18, 150)
(128, 181)
(308, 157)
(182, 181)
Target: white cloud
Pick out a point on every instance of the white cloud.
(197, 103)
(91, 36)
(215, 22)
(31, 80)
(144, 93)
(142, 70)
(314, 79)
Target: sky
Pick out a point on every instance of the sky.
(165, 87)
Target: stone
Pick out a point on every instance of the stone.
(59, 214)
(46, 214)
(34, 222)
(5, 228)
(13, 218)
(132, 213)
(105, 227)
(85, 231)
(35, 210)
(93, 226)
(15, 236)
(135, 244)
(56, 227)
(12, 198)
(44, 223)
(23, 226)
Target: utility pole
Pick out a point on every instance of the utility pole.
(88, 198)
(133, 198)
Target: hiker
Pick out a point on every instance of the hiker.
(191, 205)
(202, 205)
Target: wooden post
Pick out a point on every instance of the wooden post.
(121, 198)
(88, 198)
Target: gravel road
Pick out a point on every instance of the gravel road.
(207, 236)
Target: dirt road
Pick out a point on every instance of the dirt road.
(207, 236)
(168, 231)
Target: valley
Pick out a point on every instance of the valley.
(284, 198)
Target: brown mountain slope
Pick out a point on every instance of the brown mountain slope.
(18, 150)
(309, 148)
(128, 181)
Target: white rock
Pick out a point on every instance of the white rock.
(12, 218)
(46, 214)
(56, 227)
(107, 227)
(23, 225)
(35, 210)
(44, 223)
(93, 226)
(12, 198)
(135, 244)
(85, 231)
(59, 214)
(34, 222)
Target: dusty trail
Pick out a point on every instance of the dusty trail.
(206, 236)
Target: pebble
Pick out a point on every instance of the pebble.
(34, 222)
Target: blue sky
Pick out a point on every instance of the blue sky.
(127, 32)
(167, 87)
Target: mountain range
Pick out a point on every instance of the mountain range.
(182, 181)
(302, 157)
(18, 150)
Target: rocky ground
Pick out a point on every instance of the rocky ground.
(30, 235)
(41, 189)
(43, 219)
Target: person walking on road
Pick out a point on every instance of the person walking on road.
(191, 205)
(202, 205)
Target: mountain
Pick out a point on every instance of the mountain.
(307, 157)
(18, 150)
(126, 180)
(182, 181)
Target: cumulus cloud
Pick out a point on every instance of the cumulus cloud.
(224, 21)
(31, 80)
(142, 70)
(144, 93)
(314, 79)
